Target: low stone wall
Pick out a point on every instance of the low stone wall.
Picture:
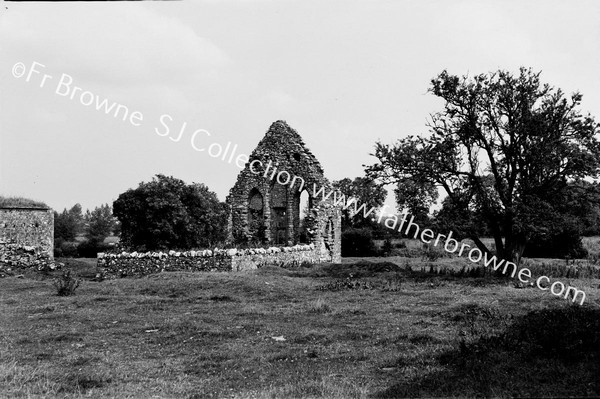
(282, 257)
(143, 263)
(15, 257)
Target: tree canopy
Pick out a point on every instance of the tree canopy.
(167, 213)
(100, 223)
(365, 191)
(68, 224)
(505, 147)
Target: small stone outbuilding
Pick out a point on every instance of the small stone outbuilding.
(26, 234)
(275, 202)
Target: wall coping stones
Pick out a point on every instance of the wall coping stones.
(231, 252)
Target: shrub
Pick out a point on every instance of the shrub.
(346, 284)
(392, 284)
(65, 249)
(386, 250)
(358, 242)
(66, 284)
(407, 252)
(90, 248)
(168, 213)
(431, 253)
(564, 244)
(400, 245)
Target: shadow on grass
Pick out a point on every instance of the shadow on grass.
(84, 268)
(545, 353)
(365, 269)
(360, 269)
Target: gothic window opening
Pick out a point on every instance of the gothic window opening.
(256, 222)
(303, 212)
(279, 216)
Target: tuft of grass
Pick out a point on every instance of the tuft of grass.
(320, 306)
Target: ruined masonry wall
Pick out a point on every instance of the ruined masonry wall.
(143, 263)
(26, 236)
(282, 154)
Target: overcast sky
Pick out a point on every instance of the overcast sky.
(344, 74)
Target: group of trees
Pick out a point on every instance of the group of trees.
(165, 213)
(79, 234)
(357, 231)
(513, 156)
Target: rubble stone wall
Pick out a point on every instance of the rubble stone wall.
(264, 203)
(14, 258)
(26, 237)
(286, 257)
(137, 264)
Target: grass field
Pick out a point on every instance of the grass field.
(363, 329)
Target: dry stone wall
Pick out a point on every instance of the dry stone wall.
(137, 264)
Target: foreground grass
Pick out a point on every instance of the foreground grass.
(333, 331)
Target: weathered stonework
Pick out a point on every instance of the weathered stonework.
(26, 236)
(265, 201)
(137, 264)
(264, 209)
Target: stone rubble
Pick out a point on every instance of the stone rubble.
(126, 264)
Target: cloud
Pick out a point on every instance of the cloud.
(123, 45)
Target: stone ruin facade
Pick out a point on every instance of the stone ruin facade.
(273, 201)
(275, 217)
(26, 237)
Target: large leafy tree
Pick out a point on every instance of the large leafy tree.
(167, 213)
(505, 147)
(364, 191)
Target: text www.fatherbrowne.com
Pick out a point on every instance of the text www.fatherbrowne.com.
(427, 236)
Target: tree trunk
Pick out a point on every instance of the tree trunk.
(482, 247)
(513, 249)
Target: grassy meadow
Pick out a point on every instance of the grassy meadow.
(368, 328)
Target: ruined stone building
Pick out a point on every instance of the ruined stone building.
(272, 201)
(26, 229)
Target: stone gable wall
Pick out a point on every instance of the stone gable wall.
(282, 149)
